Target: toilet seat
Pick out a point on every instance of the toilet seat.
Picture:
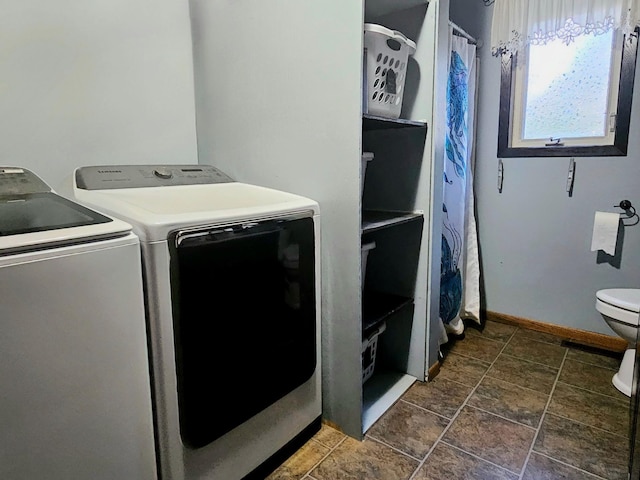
(621, 304)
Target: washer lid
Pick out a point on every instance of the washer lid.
(40, 212)
(625, 298)
(33, 217)
(46, 220)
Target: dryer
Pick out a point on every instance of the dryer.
(232, 283)
(74, 370)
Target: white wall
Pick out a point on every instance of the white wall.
(95, 82)
(534, 239)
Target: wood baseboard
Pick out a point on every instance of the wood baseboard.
(434, 370)
(583, 337)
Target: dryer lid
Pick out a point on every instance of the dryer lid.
(191, 195)
(625, 298)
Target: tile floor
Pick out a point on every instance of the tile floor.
(508, 404)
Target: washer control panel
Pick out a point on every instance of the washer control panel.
(20, 181)
(138, 176)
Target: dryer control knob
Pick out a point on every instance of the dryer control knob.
(163, 173)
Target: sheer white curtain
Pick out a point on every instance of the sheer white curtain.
(517, 23)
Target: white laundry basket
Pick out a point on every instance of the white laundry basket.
(386, 56)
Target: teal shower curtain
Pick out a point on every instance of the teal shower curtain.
(460, 270)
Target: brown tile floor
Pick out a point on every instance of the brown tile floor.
(508, 404)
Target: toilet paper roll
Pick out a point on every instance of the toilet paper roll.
(605, 232)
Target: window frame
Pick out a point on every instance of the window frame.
(623, 118)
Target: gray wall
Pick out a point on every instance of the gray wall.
(100, 82)
(266, 117)
(535, 240)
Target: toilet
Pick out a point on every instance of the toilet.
(620, 307)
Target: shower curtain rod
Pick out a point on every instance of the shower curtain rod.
(459, 31)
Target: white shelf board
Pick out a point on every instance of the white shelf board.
(381, 391)
(377, 8)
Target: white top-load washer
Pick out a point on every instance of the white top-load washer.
(232, 283)
(74, 370)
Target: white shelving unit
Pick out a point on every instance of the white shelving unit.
(279, 103)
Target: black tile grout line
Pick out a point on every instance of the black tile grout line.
(477, 457)
(571, 466)
(544, 413)
(446, 429)
(396, 449)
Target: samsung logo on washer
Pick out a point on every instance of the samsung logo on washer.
(109, 171)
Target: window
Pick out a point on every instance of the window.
(568, 100)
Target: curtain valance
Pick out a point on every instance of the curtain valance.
(517, 23)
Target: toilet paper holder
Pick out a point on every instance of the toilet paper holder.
(630, 210)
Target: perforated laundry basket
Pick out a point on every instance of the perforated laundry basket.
(364, 253)
(386, 55)
(366, 158)
(369, 352)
